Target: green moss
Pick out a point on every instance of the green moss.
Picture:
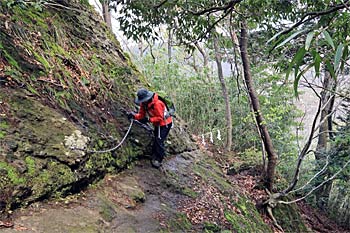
(57, 49)
(31, 16)
(120, 71)
(44, 39)
(35, 119)
(30, 162)
(179, 223)
(3, 129)
(211, 227)
(41, 58)
(189, 192)
(10, 60)
(210, 175)
(101, 162)
(100, 143)
(289, 218)
(107, 209)
(43, 179)
(172, 181)
(249, 220)
(62, 97)
(51, 180)
(2, 135)
(12, 174)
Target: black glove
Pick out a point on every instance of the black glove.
(130, 115)
(144, 120)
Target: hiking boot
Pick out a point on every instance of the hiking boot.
(156, 163)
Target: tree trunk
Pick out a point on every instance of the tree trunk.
(321, 147)
(322, 194)
(271, 153)
(106, 13)
(228, 116)
(170, 39)
(205, 61)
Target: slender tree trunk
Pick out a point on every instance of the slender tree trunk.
(170, 39)
(194, 64)
(205, 61)
(321, 147)
(140, 45)
(322, 194)
(271, 153)
(106, 13)
(228, 115)
(239, 69)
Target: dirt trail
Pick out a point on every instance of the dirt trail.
(140, 199)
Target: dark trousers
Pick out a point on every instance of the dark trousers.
(158, 149)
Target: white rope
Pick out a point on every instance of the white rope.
(109, 150)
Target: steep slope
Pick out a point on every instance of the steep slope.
(64, 82)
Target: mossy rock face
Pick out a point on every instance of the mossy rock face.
(179, 141)
(248, 219)
(42, 131)
(34, 159)
(65, 82)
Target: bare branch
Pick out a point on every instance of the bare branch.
(323, 132)
(330, 113)
(305, 148)
(347, 7)
(297, 130)
(204, 54)
(314, 177)
(326, 89)
(160, 4)
(317, 187)
(228, 7)
(214, 24)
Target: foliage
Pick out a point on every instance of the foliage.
(323, 53)
(139, 19)
(199, 101)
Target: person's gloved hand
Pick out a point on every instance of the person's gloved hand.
(130, 115)
(144, 120)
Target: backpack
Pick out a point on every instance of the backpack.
(169, 104)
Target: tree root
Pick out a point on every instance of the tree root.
(270, 204)
(270, 214)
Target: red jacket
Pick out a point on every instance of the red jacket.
(155, 110)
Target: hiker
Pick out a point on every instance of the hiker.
(154, 110)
